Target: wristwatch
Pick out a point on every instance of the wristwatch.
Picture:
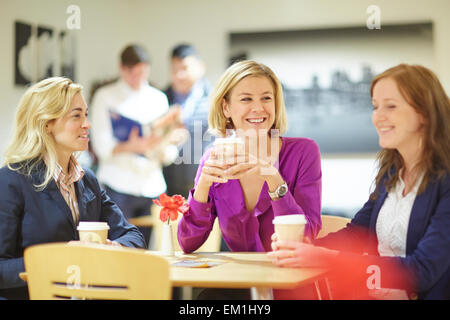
(280, 192)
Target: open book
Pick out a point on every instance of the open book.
(162, 126)
(168, 129)
(122, 126)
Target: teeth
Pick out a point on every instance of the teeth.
(256, 120)
(386, 129)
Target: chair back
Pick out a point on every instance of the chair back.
(212, 244)
(332, 224)
(87, 271)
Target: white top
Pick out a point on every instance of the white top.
(127, 173)
(393, 220)
(392, 227)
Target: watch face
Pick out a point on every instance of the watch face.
(282, 191)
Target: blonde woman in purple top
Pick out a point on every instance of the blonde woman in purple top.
(279, 176)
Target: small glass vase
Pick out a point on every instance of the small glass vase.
(167, 240)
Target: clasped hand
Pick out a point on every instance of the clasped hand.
(294, 254)
(232, 163)
(141, 145)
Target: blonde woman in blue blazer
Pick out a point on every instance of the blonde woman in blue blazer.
(44, 193)
(405, 225)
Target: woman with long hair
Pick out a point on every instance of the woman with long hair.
(44, 193)
(404, 227)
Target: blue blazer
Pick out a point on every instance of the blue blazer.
(28, 217)
(427, 243)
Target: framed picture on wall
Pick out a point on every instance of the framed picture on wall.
(67, 50)
(46, 52)
(23, 54)
(42, 52)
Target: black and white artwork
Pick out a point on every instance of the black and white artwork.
(46, 52)
(23, 62)
(67, 55)
(42, 52)
(332, 114)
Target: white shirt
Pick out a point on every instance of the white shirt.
(127, 173)
(392, 228)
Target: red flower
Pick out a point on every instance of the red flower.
(171, 206)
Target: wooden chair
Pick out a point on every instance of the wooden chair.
(84, 271)
(142, 221)
(329, 224)
(332, 224)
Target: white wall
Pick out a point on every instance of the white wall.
(347, 182)
(207, 23)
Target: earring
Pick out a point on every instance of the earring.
(229, 124)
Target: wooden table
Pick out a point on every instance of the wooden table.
(238, 270)
(241, 270)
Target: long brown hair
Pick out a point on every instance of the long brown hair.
(421, 88)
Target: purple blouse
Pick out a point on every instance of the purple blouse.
(298, 164)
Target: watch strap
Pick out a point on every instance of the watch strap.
(279, 192)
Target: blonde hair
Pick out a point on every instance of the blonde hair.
(421, 88)
(235, 73)
(43, 102)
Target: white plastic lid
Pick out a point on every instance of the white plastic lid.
(91, 225)
(228, 140)
(290, 219)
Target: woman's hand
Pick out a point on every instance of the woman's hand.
(213, 170)
(299, 254)
(256, 166)
(108, 242)
(251, 165)
(238, 161)
(136, 143)
(112, 243)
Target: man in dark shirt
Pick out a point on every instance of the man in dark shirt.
(189, 90)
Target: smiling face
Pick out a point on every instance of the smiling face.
(251, 104)
(398, 124)
(71, 131)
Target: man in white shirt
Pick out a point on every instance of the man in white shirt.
(131, 175)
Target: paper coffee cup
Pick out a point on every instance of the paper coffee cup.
(290, 227)
(95, 232)
(229, 149)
